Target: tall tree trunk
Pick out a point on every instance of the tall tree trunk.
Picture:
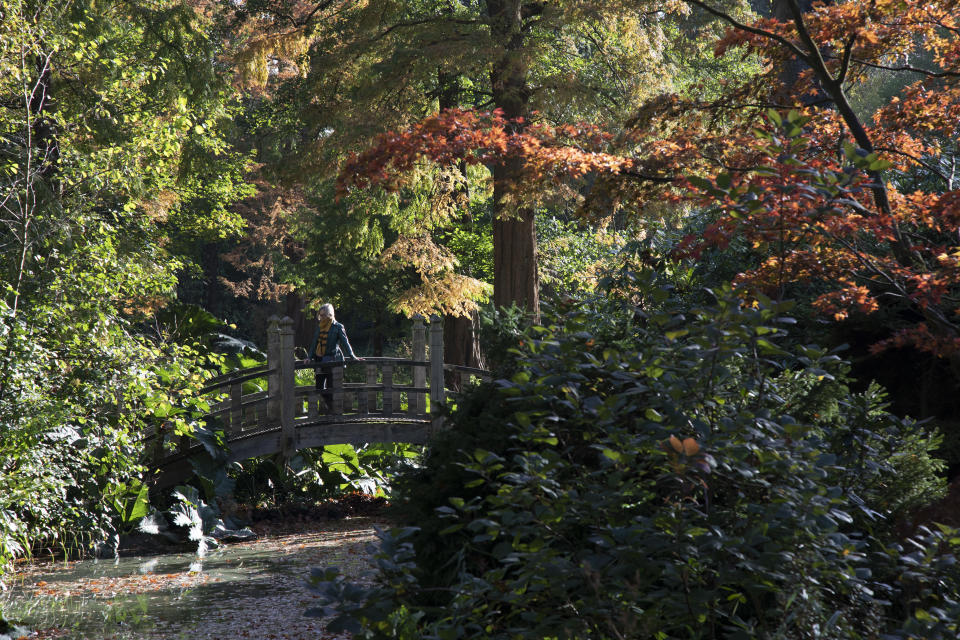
(461, 342)
(303, 324)
(515, 275)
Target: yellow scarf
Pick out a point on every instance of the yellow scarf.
(324, 329)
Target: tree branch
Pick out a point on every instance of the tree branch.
(815, 59)
(647, 178)
(754, 30)
(845, 62)
(920, 162)
(909, 68)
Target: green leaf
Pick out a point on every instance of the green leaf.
(138, 507)
(616, 456)
(700, 183)
(451, 529)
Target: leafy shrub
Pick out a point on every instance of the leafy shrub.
(69, 461)
(641, 475)
(321, 473)
(79, 395)
(194, 520)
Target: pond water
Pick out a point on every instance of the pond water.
(252, 589)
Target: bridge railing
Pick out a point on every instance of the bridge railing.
(238, 411)
(389, 388)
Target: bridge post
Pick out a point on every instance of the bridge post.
(287, 386)
(273, 366)
(417, 401)
(437, 395)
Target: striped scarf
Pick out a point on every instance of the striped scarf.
(324, 332)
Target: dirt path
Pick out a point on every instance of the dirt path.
(250, 590)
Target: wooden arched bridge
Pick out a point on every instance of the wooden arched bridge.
(372, 400)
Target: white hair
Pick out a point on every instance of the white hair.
(328, 308)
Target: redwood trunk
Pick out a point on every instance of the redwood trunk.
(461, 345)
(515, 276)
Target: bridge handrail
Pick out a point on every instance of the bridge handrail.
(248, 400)
(308, 389)
(316, 364)
(236, 377)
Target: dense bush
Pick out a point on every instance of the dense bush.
(653, 474)
(79, 395)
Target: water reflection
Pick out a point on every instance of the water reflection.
(161, 596)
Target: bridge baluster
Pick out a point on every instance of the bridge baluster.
(337, 376)
(261, 418)
(437, 393)
(372, 393)
(396, 393)
(417, 400)
(236, 410)
(288, 389)
(273, 362)
(387, 388)
(313, 400)
(363, 396)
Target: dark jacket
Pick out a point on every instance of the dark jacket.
(337, 344)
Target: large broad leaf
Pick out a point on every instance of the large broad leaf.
(199, 518)
(154, 523)
(213, 442)
(214, 476)
(137, 504)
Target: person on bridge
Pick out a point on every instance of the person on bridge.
(330, 344)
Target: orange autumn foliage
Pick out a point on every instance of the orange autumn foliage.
(548, 153)
(812, 218)
(874, 228)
